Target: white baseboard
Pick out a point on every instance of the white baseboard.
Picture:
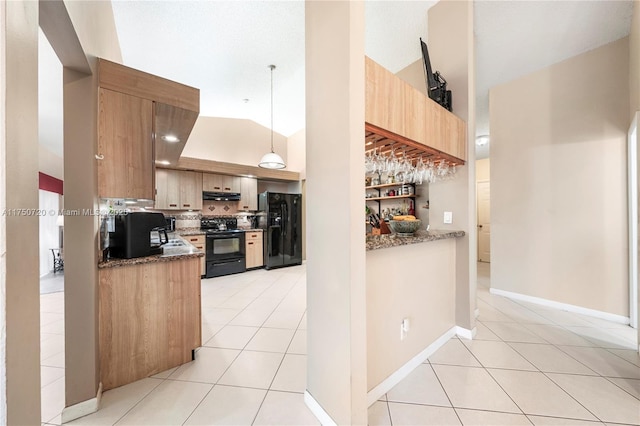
(465, 333)
(317, 410)
(83, 408)
(563, 306)
(477, 312)
(387, 384)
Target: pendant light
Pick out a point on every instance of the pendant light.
(272, 160)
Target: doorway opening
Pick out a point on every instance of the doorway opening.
(51, 246)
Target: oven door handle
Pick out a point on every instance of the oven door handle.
(222, 237)
(228, 263)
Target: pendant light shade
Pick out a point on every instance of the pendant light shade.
(271, 160)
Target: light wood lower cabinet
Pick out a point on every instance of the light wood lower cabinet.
(199, 242)
(149, 319)
(254, 254)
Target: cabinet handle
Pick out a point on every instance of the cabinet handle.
(193, 239)
(245, 207)
(173, 205)
(254, 236)
(186, 205)
(216, 187)
(250, 243)
(227, 189)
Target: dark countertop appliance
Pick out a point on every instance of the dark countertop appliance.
(225, 246)
(280, 218)
(137, 234)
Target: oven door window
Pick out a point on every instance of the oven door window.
(226, 246)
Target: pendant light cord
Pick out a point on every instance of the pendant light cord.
(272, 68)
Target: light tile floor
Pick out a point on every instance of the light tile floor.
(527, 365)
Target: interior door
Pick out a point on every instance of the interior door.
(484, 221)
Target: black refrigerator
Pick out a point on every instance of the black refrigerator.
(280, 218)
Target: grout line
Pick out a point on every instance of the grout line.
(445, 392)
(388, 410)
(623, 389)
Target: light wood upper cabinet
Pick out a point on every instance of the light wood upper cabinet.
(178, 190)
(248, 194)
(393, 105)
(167, 189)
(220, 183)
(230, 183)
(384, 106)
(211, 182)
(191, 190)
(125, 143)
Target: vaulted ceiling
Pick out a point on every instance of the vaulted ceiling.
(224, 47)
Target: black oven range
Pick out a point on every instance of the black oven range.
(225, 249)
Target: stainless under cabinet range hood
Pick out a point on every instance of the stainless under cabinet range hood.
(220, 196)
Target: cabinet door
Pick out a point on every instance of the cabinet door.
(248, 194)
(125, 140)
(190, 190)
(254, 257)
(198, 241)
(211, 182)
(230, 184)
(167, 189)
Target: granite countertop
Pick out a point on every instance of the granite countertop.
(375, 242)
(169, 254)
(252, 230)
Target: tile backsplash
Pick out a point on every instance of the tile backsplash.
(187, 219)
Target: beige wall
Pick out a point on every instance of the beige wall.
(414, 75)
(451, 49)
(336, 292)
(91, 33)
(19, 283)
(395, 292)
(95, 27)
(233, 140)
(296, 153)
(50, 163)
(634, 60)
(483, 168)
(558, 182)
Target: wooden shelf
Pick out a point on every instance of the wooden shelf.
(386, 185)
(390, 198)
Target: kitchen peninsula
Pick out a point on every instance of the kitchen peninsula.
(411, 280)
(410, 284)
(149, 314)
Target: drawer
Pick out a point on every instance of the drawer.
(253, 235)
(196, 240)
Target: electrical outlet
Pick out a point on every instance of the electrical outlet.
(448, 217)
(404, 328)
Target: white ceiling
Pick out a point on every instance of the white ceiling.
(224, 47)
(515, 38)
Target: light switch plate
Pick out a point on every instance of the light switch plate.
(448, 217)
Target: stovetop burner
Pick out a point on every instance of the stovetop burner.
(219, 224)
